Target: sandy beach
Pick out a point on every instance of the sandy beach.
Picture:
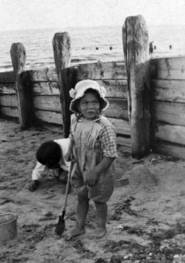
(146, 220)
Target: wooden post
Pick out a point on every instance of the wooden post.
(62, 56)
(18, 57)
(135, 44)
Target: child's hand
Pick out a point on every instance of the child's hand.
(68, 156)
(91, 177)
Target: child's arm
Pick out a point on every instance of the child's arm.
(38, 171)
(109, 148)
(93, 175)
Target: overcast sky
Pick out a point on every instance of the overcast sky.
(25, 14)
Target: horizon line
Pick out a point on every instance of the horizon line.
(82, 27)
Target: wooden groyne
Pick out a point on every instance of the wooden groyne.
(45, 95)
(147, 96)
(168, 85)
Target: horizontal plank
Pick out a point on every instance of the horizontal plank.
(102, 70)
(9, 111)
(47, 102)
(114, 88)
(49, 117)
(170, 112)
(7, 88)
(170, 133)
(56, 118)
(46, 88)
(7, 77)
(121, 126)
(170, 149)
(124, 141)
(43, 75)
(8, 100)
(169, 90)
(95, 70)
(168, 68)
(117, 109)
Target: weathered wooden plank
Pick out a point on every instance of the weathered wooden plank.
(43, 75)
(169, 90)
(168, 68)
(117, 109)
(102, 70)
(170, 112)
(124, 141)
(7, 88)
(170, 133)
(9, 111)
(169, 149)
(46, 88)
(168, 63)
(121, 126)
(7, 77)
(114, 88)
(49, 117)
(48, 103)
(97, 70)
(8, 100)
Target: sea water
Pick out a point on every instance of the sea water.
(87, 44)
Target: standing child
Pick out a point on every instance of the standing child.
(51, 159)
(94, 150)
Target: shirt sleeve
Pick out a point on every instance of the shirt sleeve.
(108, 141)
(38, 171)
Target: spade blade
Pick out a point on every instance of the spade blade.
(60, 226)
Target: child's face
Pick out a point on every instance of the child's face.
(89, 106)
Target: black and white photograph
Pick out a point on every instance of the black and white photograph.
(92, 131)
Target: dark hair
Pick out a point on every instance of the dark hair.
(94, 92)
(49, 153)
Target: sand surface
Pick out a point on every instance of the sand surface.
(146, 220)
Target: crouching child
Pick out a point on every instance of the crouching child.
(52, 159)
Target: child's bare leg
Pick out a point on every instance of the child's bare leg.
(101, 215)
(81, 214)
(82, 210)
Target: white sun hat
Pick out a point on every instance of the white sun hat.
(80, 89)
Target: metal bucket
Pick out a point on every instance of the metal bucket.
(8, 226)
